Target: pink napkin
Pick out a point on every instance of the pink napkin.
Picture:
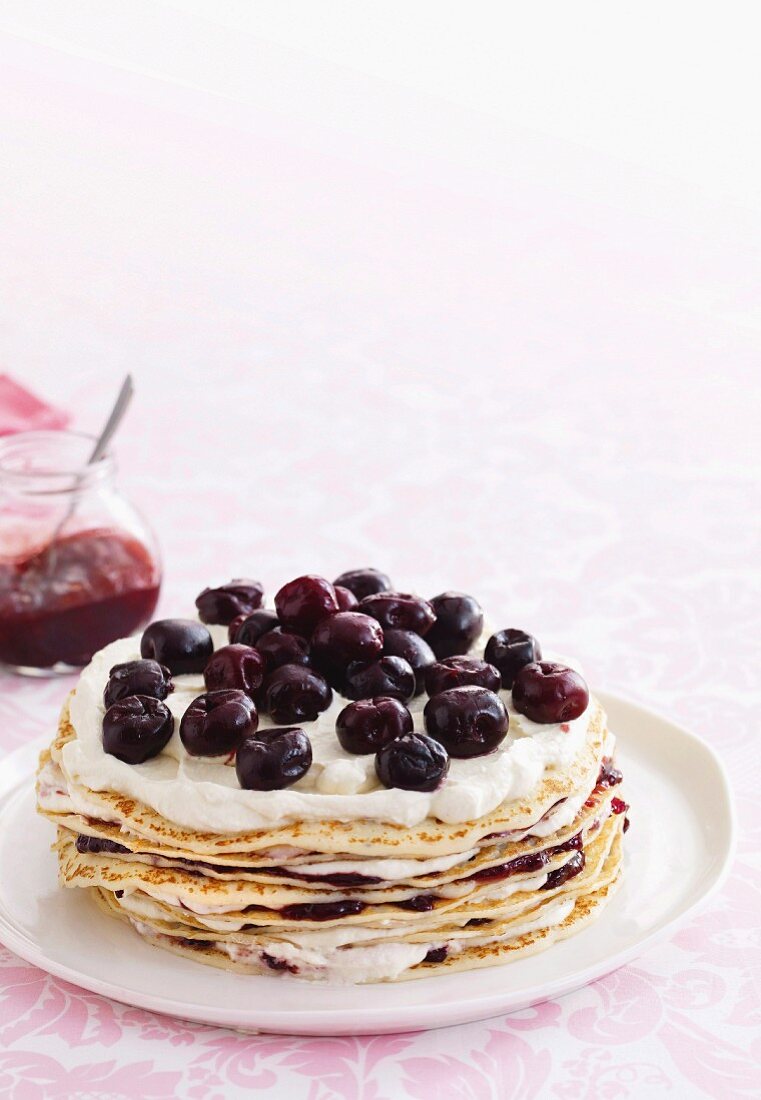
(21, 411)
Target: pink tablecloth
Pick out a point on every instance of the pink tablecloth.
(463, 355)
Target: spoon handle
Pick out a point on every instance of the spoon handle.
(101, 445)
(120, 407)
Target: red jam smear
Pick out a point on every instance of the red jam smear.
(609, 775)
(61, 606)
(322, 910)
(528, 862)
(279, 964)
(421, 903)
(569, 870)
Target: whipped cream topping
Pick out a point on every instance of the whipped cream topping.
(203, 794)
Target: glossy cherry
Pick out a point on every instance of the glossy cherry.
(459, 621)
(347, 601)
(468, 721)
(414, 649)
(509, 650)
(137, 678)
(280, 647)
(386, 676)
(248, 629)
(364, 582)
(368, 724)
(295, 694)
(137, 728)
(452, 672)
(413, 762)
(399, 611)
(547, 692)
(273, 759)
(183, 645)
(240, 667)
(223, 604)
(302, 602)
(340, 639)
(216, 722)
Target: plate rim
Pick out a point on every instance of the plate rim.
(315, 1021)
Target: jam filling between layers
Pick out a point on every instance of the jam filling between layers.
(608, 777)
(528, 862)
(421, 903)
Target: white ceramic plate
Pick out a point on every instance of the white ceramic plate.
(677, 852)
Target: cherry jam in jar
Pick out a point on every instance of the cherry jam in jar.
(78, 565)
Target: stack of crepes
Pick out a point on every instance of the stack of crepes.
(338, 878)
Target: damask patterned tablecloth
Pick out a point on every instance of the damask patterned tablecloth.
(490, 364)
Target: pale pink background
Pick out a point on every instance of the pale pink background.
(404, 335)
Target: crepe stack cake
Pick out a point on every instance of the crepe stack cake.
(359, 785)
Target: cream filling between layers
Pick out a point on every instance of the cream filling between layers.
(374, 962)
(203, 794)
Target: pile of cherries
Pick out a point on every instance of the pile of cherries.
(358, 637)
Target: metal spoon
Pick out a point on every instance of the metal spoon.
(101, 446)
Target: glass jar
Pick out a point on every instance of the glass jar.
(79, 567)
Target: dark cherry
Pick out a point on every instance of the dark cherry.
(223, 604)
(294, 693)
(235, 666)
(364, 582)
(216, 722)
(347, 601)
(387, 676)
(137, 728)
(341, 639)
(414, 649)
(412, 763)
(459, 621)
(509, 650)
(301, 603)
(469, 721)
(454, 672)
(399, 611)
(280, 647)
(183, 645)
(248, 629)
(547, 692)
(273, 759)
(137, 678)
(369, 724)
